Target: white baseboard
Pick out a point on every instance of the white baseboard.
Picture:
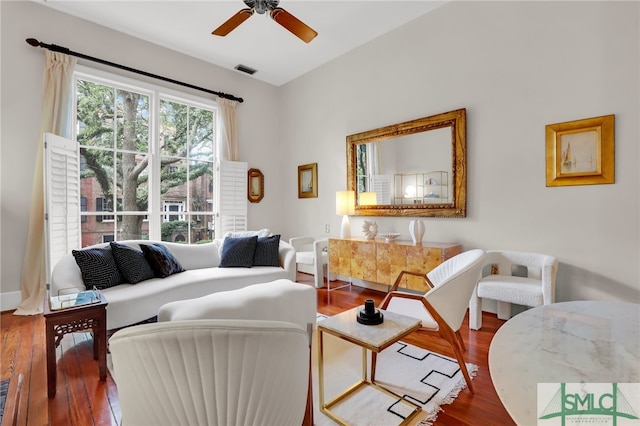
(10, 301)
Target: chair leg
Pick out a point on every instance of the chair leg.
(504, 310)
(318, 277)
(475, 312)
(459, 336)
(451, 337)
(463, 366)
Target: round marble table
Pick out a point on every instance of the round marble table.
(568, 342)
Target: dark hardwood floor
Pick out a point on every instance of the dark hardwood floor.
(81, 399)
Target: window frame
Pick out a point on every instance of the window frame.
(154, 215)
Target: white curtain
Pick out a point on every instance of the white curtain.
(373, 162)
(56, 110)
(229, 142)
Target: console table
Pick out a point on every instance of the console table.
(381, 262)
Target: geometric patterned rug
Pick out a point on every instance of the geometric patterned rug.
(425, 378)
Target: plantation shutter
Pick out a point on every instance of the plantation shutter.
(231, 214)
(382, 188)
(62, 198)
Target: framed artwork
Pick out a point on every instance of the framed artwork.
(581, 152)
(308, 181)
(255, 185)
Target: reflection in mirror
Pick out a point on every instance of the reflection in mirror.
(416, 168)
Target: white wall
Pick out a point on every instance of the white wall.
(21, 85)
(515, 67)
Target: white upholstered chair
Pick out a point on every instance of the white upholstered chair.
(280, 300)
(443, 307)
(211, 372)
(312, 258)
(527, 279)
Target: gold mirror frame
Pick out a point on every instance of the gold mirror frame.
(457, 207)
(255, 185)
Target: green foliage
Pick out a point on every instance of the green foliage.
(175, 226)
(114, 125)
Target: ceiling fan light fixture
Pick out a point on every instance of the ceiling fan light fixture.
(245, 69)
(261, 6)
(281, 16)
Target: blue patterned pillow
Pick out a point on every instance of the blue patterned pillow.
(238, 252)
(267, 251)
(131, 263)
(162, 261)
(98, 267)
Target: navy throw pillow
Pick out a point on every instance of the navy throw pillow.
(98, 267)
(131, 263)
(162, 261)
(267, 251)
(238, 252)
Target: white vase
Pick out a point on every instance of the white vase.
(416, 230)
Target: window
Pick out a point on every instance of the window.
(361, 161)
(147, 158)
(174, 206)
(83, 205)
(104, 205)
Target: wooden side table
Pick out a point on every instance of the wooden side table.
(71, 320)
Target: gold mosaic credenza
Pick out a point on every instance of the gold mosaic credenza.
(382, 262)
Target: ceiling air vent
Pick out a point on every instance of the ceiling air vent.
(245, 69)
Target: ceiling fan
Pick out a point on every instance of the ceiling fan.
(278, 14)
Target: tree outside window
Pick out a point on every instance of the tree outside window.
(114, 127)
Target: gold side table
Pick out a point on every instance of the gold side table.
(375, 338)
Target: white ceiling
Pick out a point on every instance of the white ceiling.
(259, 42)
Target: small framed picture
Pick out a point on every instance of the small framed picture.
(308, 181)
(581, 152)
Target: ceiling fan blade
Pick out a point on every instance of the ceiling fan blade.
(233, 22)
(293, 24)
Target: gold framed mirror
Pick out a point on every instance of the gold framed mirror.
(255, 185)
(415, 168)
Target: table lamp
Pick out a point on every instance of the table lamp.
(345, 205)
(368, 199)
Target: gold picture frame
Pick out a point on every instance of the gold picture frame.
(308, 181)
(255, 185)
(581, 152)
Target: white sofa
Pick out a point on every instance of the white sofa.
(133, 303)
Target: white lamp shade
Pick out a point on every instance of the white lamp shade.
(368, 199)
(345, 202)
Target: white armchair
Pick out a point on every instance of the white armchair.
(212, 372)
(312, 258)
(280, 300)
(527, 279)
(443, 307)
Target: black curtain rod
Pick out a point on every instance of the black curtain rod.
(35, 43)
